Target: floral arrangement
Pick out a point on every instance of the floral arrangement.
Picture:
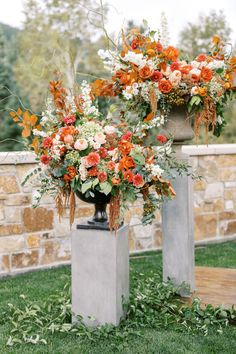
(80, 151)
(151, 79)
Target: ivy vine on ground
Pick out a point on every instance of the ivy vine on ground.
(152, 304)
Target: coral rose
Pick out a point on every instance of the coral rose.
(146, 72)
(201, 57)
(159, 47)
(102, 176)
(47, 143)
(45, 159)
(128, 176)
(185, 69)
(156, 76)
(127, 136)
(174, 66)
(162, 138)
(103, 152)
(206, 74)
(93, 171)
(71, 118)
(165, 86)
(92, 159)
(138, 181)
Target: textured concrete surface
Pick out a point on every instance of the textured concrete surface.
(100, 275)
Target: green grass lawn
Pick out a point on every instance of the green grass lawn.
(39, 285)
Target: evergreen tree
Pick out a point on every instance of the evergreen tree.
(9, 131)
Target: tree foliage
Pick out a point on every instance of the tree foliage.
(195, 38)
(8, 98)
(58, 36)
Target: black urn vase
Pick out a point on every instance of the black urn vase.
(99, 221)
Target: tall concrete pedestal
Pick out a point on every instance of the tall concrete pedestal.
(178, 232)
(100, 275)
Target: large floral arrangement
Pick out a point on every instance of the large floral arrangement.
(78, 150)
(151, 79)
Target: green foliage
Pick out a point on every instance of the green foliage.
(58, 36)
(8, 100)
(195, 38)
(152, 304)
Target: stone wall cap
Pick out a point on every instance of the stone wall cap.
(17, 157)
(211, 149)
(24, 157)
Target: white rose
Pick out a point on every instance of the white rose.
(96, 145)
(81, 144)
(100, 138)
(109, 129)
(194, 90)
(175, 77)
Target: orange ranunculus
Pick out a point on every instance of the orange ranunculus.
(206, 74)
(115, 181)
(126, 163)
(185, 69)
(202, 91)
(165, 86)
(171, 53)
(159, 47)
(145, 72)
(72, 171)
(125, 147)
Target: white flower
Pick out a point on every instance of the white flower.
(219, 120)
(96, 145)
(196, 64)
(127, 93)
(81, 144)
(167, 72)
(83, 172)
(100, 138)
(135, 58)
(84, 162)
(216, 64)
(156, 170)
(194, 72)
(194, 90)
(109, 129)
(117, 168)
(41, 133)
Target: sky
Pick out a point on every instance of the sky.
(178, 13)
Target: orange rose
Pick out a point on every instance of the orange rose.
(125, 147)
(145, 72)
(171, 53)
(206, 74)
(202, 91)
(126, 163)
(165, 86)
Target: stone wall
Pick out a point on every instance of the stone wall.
(34, 238)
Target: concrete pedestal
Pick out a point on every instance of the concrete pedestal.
(100, 275)
(178, 232)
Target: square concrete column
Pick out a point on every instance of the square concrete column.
(178, 234)
(100, 275)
